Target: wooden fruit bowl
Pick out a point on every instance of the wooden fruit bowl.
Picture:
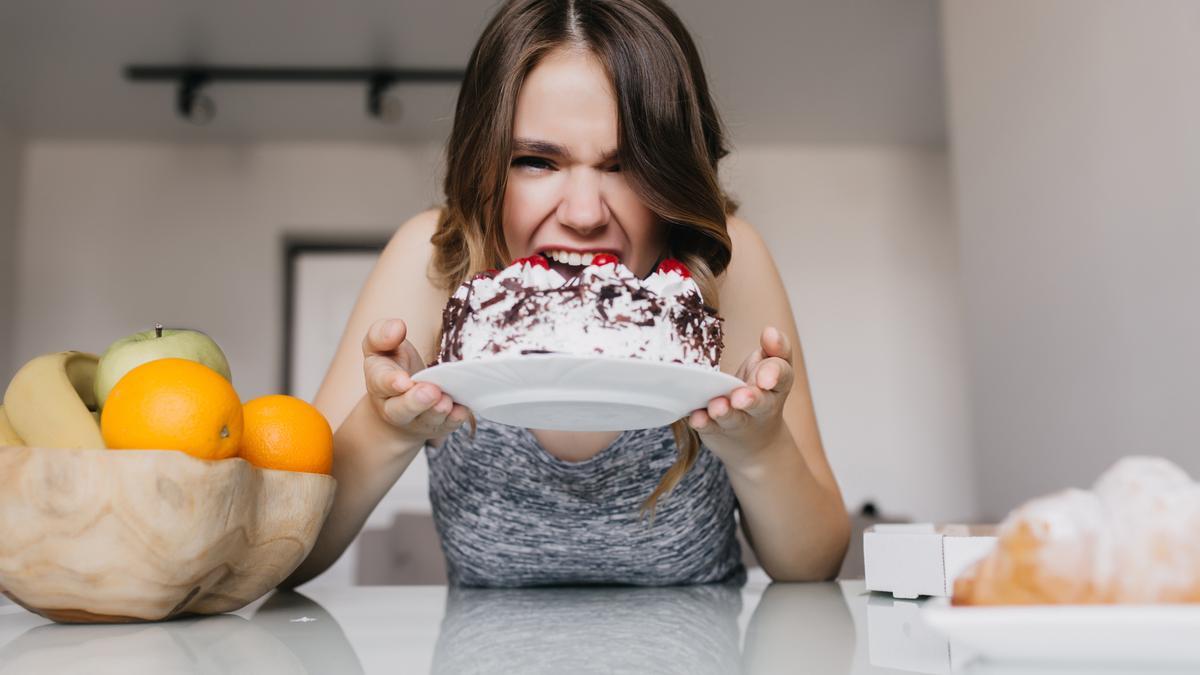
(103, 536)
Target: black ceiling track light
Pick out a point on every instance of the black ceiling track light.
(192, 104)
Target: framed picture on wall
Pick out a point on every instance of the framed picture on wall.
(322, 280)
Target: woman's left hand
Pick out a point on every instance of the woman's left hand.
(736, 426)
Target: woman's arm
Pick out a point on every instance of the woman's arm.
(368, 459)
(369, 454)
(791, 507)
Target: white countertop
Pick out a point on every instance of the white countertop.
(826, 628)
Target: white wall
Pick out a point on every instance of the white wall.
(866, 243)
(10, 162)
(116, 236)
(1076, 144)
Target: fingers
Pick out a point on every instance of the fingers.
(775, 343)
(385, 377)
(773, 374)
(772, 343)
(767, 387)
(753, 401)
(719, 415)
(389, 360)
(425, 411)
(384, 337)
(756, 357)
(420, 399)
(419, 408)
(768, 375)
(767, 384)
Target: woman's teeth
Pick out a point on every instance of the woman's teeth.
(570, 258)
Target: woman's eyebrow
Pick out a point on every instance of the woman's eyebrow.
(540, 147)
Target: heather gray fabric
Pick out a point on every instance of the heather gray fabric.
(511, 514)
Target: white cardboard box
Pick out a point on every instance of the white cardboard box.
(912, 560)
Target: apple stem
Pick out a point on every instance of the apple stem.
(157, 330)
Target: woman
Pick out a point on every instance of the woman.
(585, 125)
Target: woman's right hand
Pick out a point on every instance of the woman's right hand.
(418, 410)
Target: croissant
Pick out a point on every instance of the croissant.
(1133, 538)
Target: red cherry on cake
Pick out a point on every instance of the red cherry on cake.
(534, 261)
(673, 265)
(605, 259)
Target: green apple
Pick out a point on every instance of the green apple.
(130, 352)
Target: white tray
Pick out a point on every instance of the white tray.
(572, 393)
(1127, 635)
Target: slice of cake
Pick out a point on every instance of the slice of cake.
(606, 310)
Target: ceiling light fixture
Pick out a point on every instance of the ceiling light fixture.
(194, 105)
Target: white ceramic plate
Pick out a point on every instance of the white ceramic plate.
(572, 393)
(1073, 634)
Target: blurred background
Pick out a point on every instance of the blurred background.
(987, 214)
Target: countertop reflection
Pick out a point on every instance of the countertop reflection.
(828, 628)
(685, 629)
(270, 640)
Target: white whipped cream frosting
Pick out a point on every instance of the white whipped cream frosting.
(549, 313)
(664, 284)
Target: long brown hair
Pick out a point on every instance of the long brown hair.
(670, 139)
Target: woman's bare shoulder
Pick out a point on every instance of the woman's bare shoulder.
(410, 250)
(751, 294)
(405, 263)
(749, 250)
(413, 237)
(740, 229)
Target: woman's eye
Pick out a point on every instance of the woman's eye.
(614, 168)
(533, 162)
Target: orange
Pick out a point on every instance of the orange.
(284, 432)
(173, 404)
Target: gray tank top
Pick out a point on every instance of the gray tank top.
(511, 514)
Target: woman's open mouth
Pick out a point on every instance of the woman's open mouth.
(569, 264)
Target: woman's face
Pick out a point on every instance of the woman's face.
(566, 192)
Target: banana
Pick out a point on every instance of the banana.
(8, 435)
(50, 401)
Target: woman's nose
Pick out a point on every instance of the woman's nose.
(582, 207)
